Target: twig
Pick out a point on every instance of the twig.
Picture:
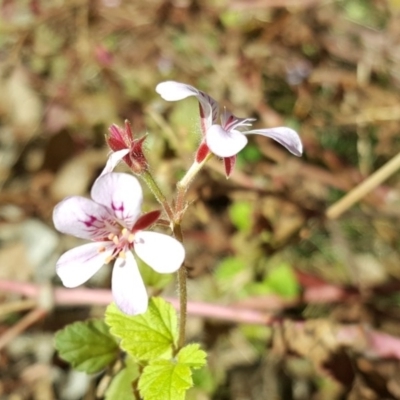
(377, 344)
(88, 297)
(25, 322)
(364, 188)
(16, 306)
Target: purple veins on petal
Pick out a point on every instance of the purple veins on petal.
(90, 222)
(116, 208)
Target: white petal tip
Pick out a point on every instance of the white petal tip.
(161, 252)
(132, 309)
(113, 160)
(174, 91)
(287, 137)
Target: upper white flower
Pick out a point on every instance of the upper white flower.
(112, 221)
(229, 137)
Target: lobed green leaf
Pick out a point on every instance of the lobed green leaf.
(192, 356)
(147, 336)
(88, 346)
(170, 379)
(165, 379)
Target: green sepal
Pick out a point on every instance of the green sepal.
(146, 336)
(88, 346)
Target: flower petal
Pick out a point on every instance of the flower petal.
(121, 194)
(285, 136)
(77, 265)
(82, 218)
(128, 288)
(173, 91)
(225, 143)
(161, 252)
(113, 160)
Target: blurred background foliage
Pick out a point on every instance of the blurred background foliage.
(330, 69)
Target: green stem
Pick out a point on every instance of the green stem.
(182, 275)
(176, 217)
(158, 194)
(183, 185)
(177, 231)
(180, 207)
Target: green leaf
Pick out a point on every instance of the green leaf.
(192, 356)
(251, 153)
(88, 346)
(147, 336)
(170, 379)
(166, 380)
(281, 280)
(228, 268)
(204, 379)
(121, 386)
(241, 215)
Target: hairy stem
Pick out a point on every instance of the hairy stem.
(158, 194)
(183, 185)
(180, 208)
(175, 218)
(177, 231)
(182, 274)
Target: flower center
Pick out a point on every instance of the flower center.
(123, 242)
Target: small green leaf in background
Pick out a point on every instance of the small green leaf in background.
(204, 380)
(228, 268)
(281, 280)
(121, 386)
(250, 154)
(146, 336)
(170, 379)
(240, 214)
(152, 278)
(88, 346)
(231, 275)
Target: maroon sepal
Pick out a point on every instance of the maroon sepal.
(147, 220)
(122, 138)
(229, 163)
(202, 152)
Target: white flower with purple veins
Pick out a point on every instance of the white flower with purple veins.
(228, 138)
(112, 221)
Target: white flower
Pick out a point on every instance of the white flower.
(112, 221)
(229, 137)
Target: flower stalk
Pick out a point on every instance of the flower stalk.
(158, 194)
(183, 185)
